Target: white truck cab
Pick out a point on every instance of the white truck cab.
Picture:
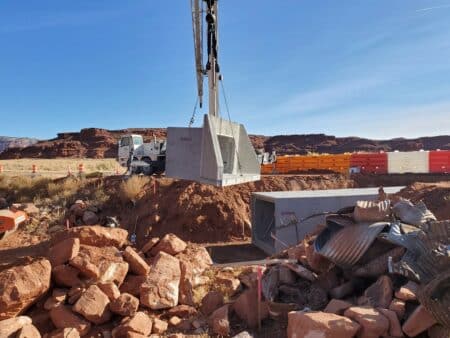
(140, 157)
(127, 146)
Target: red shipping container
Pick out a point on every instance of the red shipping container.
(440, 161)
(370, 163)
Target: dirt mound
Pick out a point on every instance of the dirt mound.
(202, 213)
(436, 197)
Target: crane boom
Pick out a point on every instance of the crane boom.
(220, 152)
(212, 69)
(197, 25)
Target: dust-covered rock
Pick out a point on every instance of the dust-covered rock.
(64, 251)
(124, 305)
(137, 265)
(93, 305)
(373, 323)
(21, 286)
(28, 331)
(66, 275)
(95, 235)
(9, 327)
(419, 321)
(110, 289)
(140, 323)
(63, 317)
(320, 324)
(170, 244)
(160, 289)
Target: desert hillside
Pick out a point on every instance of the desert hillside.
(15, 142)
(102, 143)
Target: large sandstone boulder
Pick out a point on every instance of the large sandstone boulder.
(160, 289)
(101, 263)
(110, 289)
(21, 286)
(194, 260)
(170, 244)
(64, 251)
(93, 305)
(418, 322)
(337, 306)
(320, 324)
(380, 293)
(124, 305)
(132, 284)
(9, 327)
(28, 331)
(150, 244)
(140, 324)
(63, 317)
(395, 329)
(66, 275)
(95, 235)
(373, 323)
(137, 264)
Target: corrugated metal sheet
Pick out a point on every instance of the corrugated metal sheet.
(438, 230)
(425, 258)
(345, 246)
(412, 214)
(372, 211)
(408, 162)
(435, 296)
(379, 265)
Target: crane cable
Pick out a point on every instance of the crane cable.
(192, 120)
(225, 100)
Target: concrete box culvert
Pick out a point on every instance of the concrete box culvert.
(278, 218)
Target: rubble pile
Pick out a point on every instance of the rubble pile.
(376, 269)
(92, 282)
(381, 269)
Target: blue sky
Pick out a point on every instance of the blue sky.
(372, 68)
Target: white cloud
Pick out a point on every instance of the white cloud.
(432, 8)
(328, 97)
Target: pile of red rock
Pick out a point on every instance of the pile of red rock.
(92, 284)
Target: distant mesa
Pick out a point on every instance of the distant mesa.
(7, 142)
(102, 143)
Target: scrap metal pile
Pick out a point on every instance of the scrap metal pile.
(374, 270)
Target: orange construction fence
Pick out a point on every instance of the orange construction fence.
(299, 163)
